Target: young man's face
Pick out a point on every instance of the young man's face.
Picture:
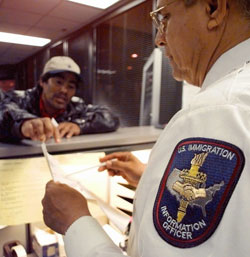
(58, 91)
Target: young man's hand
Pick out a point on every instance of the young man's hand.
(40, 129)
(68, 129)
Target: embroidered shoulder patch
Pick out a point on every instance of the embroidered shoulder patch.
(195, 189)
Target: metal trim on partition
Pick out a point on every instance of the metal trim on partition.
(155, 59)
(154, 30)
(157, 71)
(92, 64)
(143, 88)
(66, 48)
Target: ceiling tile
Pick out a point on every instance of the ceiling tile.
(13, 28)
(75, 12)
(53, 19)
(45, 33)
(34, 6)
(20, 18)
(57, 24)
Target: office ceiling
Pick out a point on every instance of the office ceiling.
(53, 19)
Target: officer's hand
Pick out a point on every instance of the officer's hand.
(40, 129)
(68, 129)
(62, 205)
(125, 165)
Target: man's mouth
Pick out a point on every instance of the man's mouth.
(61, 99)
(171, 59)
(168, 55)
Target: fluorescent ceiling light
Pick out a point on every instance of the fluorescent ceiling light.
(102, 4)
(23, 40)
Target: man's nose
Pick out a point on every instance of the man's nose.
(160, 39)
(64, 88)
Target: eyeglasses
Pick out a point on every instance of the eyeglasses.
(157, 20)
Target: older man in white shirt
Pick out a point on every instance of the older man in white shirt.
(192, 199)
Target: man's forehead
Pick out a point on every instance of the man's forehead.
(67, 75)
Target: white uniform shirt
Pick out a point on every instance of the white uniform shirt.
(213, 135)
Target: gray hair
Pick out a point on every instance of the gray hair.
(244, 5)
(189, 2)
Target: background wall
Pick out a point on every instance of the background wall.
(123, 45)
(111, 52)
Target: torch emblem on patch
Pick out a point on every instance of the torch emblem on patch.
(191, 187)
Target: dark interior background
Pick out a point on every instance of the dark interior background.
(103, 50)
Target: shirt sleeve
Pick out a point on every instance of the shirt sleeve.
(12, 120)
(12, 115)
(86, 238)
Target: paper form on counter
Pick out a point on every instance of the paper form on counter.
(22, 184)
(118, 218)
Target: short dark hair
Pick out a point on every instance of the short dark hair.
(45, 77)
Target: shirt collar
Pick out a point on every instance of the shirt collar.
(230, 61)
(43, 110)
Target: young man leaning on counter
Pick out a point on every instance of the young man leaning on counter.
(28, 114)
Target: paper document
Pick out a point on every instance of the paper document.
(118, 218)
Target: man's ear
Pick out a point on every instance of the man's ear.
(217, 11)
(41, 83)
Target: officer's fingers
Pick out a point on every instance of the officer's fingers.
(107, 157)
(113, 173)
(111, 156)
(102, 168)
(120, 166)
(117, 155)
(110, 169)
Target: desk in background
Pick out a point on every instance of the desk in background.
(124, 139)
